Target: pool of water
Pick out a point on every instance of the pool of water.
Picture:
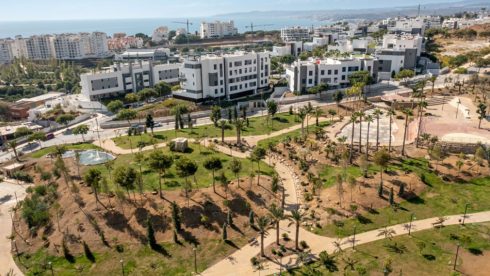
(90, 157)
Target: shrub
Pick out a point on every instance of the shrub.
(303, 244)
(35, 212)
(22, 176)
(254, 261)
(285, 236)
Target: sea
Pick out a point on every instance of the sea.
(146, 26)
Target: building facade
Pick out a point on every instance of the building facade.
(217, 29)
(334, 72)
(227, 76)
(295, 34)
(127, 78)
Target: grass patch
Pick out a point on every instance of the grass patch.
(294, 133)
(197, 153)
(137, 260)
(439, 199)
(406, 255)
(42, 152)
(258, 126)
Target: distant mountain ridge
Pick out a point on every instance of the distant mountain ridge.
(374, 13)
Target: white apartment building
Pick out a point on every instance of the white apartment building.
(335, 72)
(58, 46)
(295, 34)
(401, 42)
(218, 29)
(126, 78)
(414, 25)
(227, 76)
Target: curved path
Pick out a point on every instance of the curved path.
(238, 263)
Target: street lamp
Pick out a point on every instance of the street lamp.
(50, 264)
(456, 257)
(354, 237)
(465, 211)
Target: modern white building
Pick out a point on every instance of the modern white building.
(160, 34)
(334, 72)
(218, 29)
(159, 54)
(228, 76)
(400, 42)
(411, 25)
(125, 78)
(295, 34)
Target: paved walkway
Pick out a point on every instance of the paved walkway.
(8, 191)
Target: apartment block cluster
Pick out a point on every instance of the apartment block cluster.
(217, 29)
(58, 46)
(227, 76)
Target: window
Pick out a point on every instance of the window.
(343, 69)
(310, 73)
(231, 65)
(330, 72)
(310, 81)
(343, 77)
(322, 72)
(215, 67)
(336, 72)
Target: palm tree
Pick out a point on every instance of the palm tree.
(276, 214)
(160, 162)
(302, 115)
(262, 223)
(222, 125)
(433, 81)
(369, 120)
(353, 119)
(360, 115)
(388, 233)
(422, 104)
(317, 112)
(236, 167)
(239, 125)
(408, 113)
(377, 113)
(93, 178)
(309, 110)
(391, 113)
(297, 217)
(13, 145)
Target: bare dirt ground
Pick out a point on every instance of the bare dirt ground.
(454, 47)
(124, 221)
(475, 265)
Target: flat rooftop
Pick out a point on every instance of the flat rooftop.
(8, 130)
(44, 97)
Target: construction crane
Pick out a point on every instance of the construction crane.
(187, 23)
(252, 26)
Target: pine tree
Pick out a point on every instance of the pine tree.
(88, 253)
(392, 198)
(150, 234)
(251, 218)
(380, 190)
(225, 234)
(401, 192)
(176, 216)
(229, 218)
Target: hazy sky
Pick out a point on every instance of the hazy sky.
(13, 10)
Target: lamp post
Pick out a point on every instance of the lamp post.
(354, 237)
(457, 108)
(465, 211)
(50, 264)
(456, 257)
(412, 216)
(122, 266)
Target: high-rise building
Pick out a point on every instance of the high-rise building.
(218, 29)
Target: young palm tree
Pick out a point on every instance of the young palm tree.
(262, 223)
(408, 113)
(297, 217)
(377, 113)
(13, 145)
(360, 115)
(369, 119)
(388, 233)
(276, 214)
(422, 104)
(391, 113)
(309, 110)
(302, 114)
(239, 125)
(222, 125)
(317, 112)
(353, 119)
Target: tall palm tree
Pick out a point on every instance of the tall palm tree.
(369, 119)
(239, 125)
(222, 124)
(377, 113)
(262, 223)
(309, 110)
(391, 113)
(408, 112)
(302, 114)
(297, 217)
(276, 214)
(360, 115)
(422, 104)
(13, 145)
(317, 112)
(353, 119)
(433, 81)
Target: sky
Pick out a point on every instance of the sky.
(33, 10)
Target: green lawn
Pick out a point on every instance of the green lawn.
(199, 154)
(42, 152)
(295, 133)
(258, 126)
(436, 257)
(439, 198)
(137, 260)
